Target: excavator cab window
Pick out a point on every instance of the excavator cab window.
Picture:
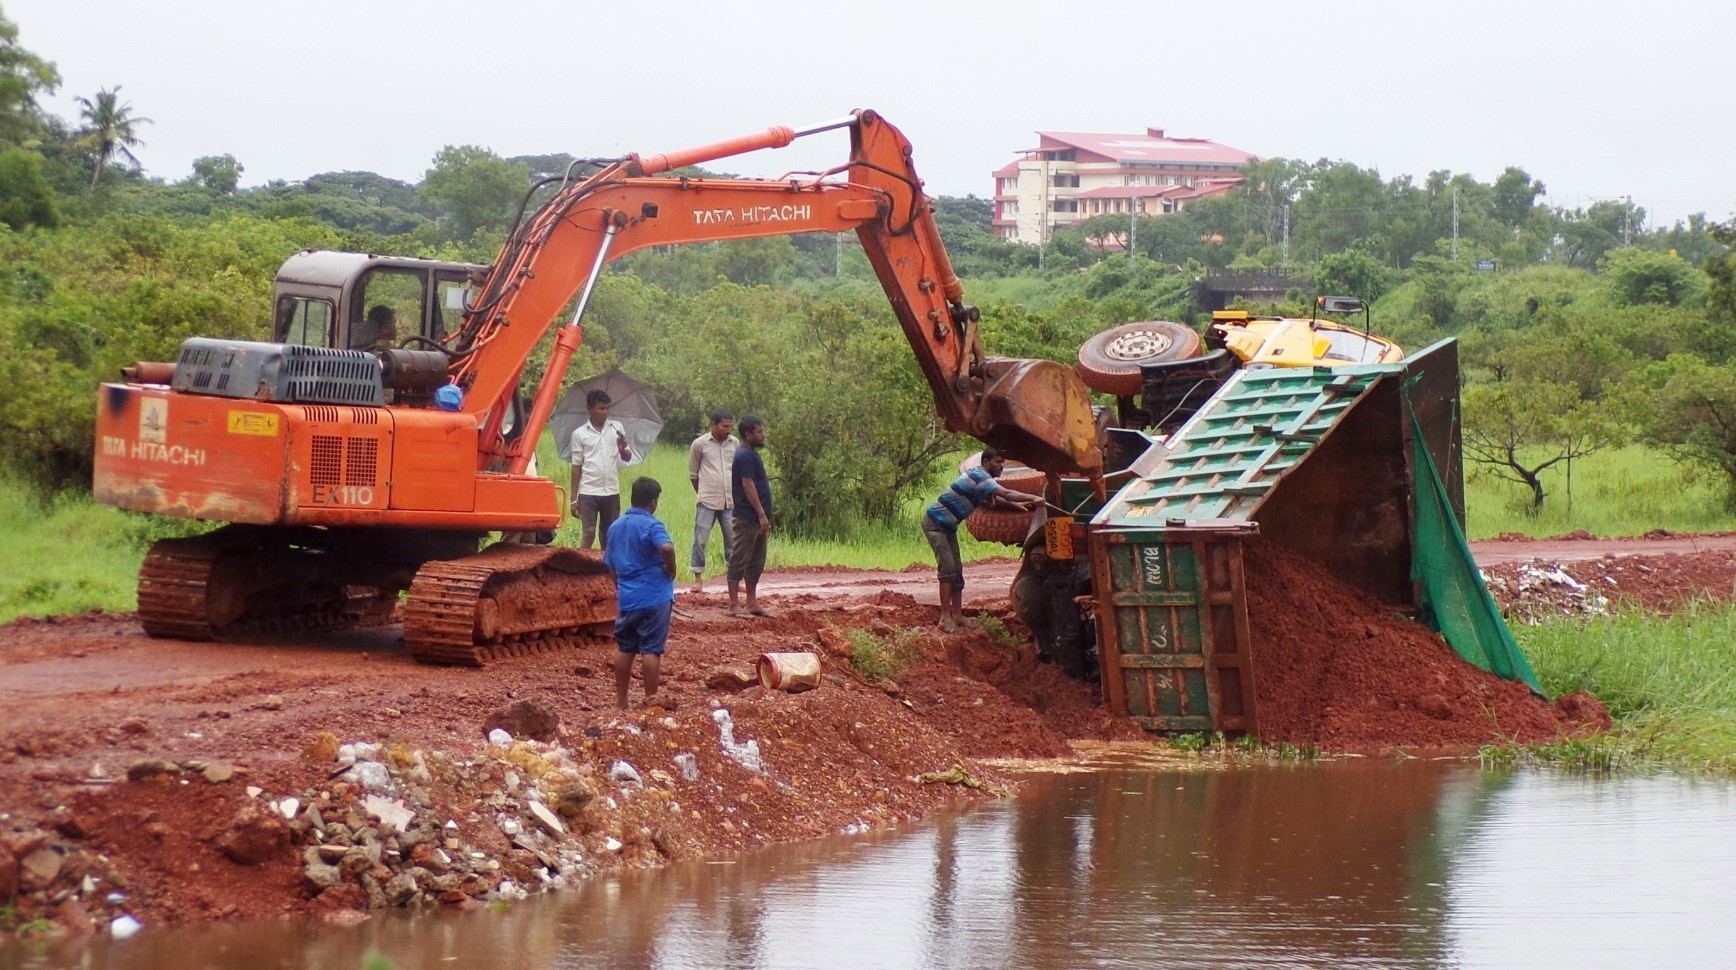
(400, 292)
(450, 291)
(304, 321)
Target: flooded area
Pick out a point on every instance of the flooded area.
(1357, 863)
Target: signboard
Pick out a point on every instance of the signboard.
(1485, 265)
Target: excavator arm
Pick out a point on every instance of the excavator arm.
(1036, 411)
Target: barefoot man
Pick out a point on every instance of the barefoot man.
(976, 487)
(641, 556)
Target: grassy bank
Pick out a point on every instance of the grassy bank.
(1627, 491)
(1670, 683)
(67, 555)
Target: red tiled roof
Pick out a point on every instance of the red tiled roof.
(1007, 171)
(1145, 148)
(1206, 187)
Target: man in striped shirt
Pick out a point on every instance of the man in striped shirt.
(976, 487)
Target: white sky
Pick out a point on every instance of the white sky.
(1597, 99)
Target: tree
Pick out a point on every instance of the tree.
(26, 198)
(1515, 193)
(217, 173)
(1351, 272)
(1687, 406)
(23, 75)
(111, 129)
(475, 189)
(1520, 429)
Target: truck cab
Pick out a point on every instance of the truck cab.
(332, 299)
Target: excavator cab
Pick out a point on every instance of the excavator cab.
(344, 301)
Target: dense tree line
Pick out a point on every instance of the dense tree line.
(1575, 342)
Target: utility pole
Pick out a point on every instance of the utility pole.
(1284, 259)
(1627, 214)
(1455, 222)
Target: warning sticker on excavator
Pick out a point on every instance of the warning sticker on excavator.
(261, 423)
(1058, 537)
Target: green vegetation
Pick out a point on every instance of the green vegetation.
(882, 658)
(1244, 748)
(1670, 684)
(1619, 492)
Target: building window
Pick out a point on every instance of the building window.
(1062, 181)
(1065, 205)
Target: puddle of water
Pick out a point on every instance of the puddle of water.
(1423, 864)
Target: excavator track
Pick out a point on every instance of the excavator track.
(508, 601)
(215, 585)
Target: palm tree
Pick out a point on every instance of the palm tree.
(110, 128)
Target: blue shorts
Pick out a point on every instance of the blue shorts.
(643, 631)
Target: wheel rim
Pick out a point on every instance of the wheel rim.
(1138, 344)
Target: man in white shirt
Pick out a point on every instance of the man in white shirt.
(599, 449)
(708, 463)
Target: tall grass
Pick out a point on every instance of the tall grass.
(1625, 491)
(1669, 682)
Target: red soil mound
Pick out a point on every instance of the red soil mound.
(1337, 669)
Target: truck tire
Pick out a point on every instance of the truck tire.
(1110, 362)
(1007, 526)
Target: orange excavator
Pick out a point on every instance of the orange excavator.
(362, 454)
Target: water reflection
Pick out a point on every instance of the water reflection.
(1415, 865)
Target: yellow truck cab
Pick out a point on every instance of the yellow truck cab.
(1288, 342)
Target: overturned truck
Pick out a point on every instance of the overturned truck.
(1357, 468)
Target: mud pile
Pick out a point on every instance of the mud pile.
(1544, 589)
(1339, 670)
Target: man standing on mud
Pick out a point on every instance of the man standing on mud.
(599, 449)
(641, 556)
(709, 461)
(752, 515)
(940, 522)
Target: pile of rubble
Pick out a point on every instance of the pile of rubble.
(1531, 592)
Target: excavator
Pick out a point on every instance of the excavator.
(383, 433)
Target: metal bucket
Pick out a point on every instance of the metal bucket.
(793, 672)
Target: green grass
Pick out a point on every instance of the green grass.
(881, 658)
(1627, 491)
(1669, 682)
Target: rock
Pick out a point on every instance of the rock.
(288, 807)
(8, 875)
(321, 876)
(834, 643)
(401, 889)
(123, 927)
(524, 719)
(393, 816)
(438, 859)
(38, 869)
(254, 834)
(510, 827)
(219, 773)
(272, 702)
(612, 844)
(371, 775)
(499, 738)
(315, 819)
(730, 679)
(689, 766)
(330, 853)
(21, 844)
(625, 773)
(323, 748)
(73, 917)
(254, 791)
(548, 820)
(135, 726)
(150, 768)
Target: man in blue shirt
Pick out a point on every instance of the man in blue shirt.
(940, 522)
(641, 556)
(753, 515)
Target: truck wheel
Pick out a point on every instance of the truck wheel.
(1007, 526)
(1110, 361)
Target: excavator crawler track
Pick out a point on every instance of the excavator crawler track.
(507, 601)
(223, 584)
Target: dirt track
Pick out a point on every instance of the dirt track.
(85, 699)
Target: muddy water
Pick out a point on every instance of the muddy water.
(1422, 864)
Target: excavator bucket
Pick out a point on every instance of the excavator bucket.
(1039, 412)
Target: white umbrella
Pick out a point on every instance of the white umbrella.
(630, 402)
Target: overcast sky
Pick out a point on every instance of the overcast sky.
(1597, 99)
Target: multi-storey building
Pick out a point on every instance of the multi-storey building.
(1071, 176)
